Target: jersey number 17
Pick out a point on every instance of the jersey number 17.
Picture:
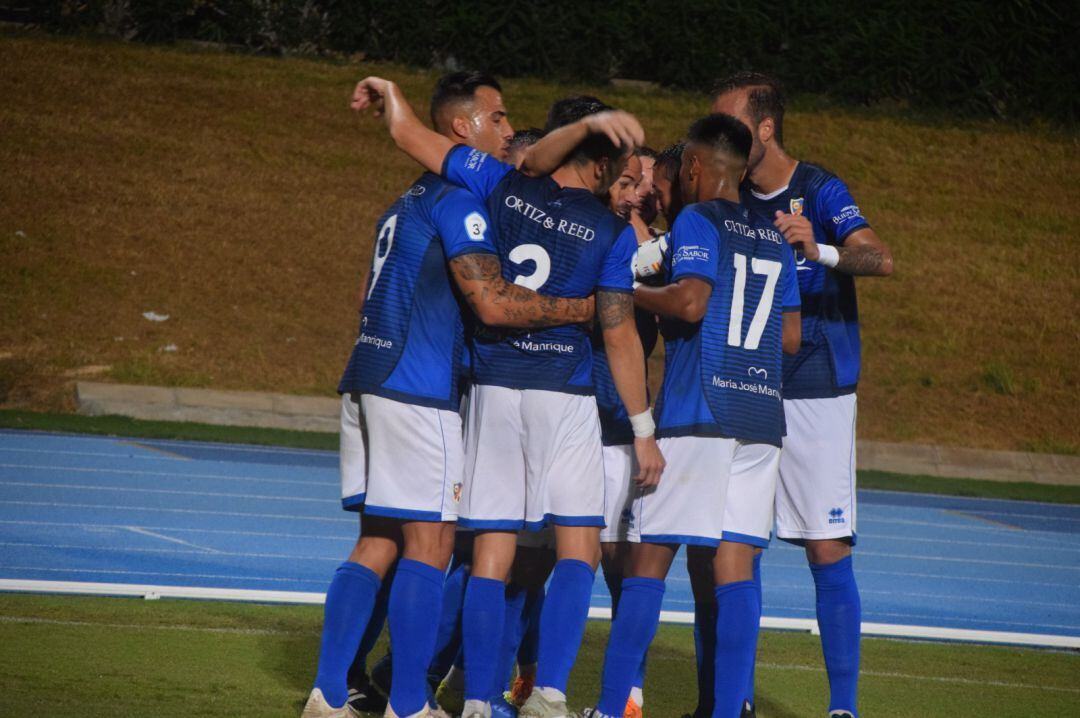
(771, 270)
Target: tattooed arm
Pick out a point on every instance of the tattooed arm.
(862, 253)
(626, 359)
(499, 303)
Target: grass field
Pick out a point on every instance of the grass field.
(236, 195)
(64, 656)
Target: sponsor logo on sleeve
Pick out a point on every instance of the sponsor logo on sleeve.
(690, 253)
(475, 160)
(476, 226)
(416, 190)
(850, 212)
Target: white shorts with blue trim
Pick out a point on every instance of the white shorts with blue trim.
(748, 512)
(687, 507)
(532, 457)
(620, 465)
(352, 457)
(815, 498)
(415, 460)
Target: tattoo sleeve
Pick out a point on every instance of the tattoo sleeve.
(614, 308)
(500, 303)
(860, 260)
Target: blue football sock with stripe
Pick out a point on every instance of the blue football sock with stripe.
(839, 614)
(482, 623)
(530, 628)
(631, 633)
(417, 587)
(757, 585)
(738, 611)
(375, 625)
(511, 639)
(705, 652)
(448, 642)
(562, 623)
(349, 601)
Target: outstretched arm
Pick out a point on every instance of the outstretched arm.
(626, 359)
(499, 303)
(685, 299)
(412, 136)
(551, 151)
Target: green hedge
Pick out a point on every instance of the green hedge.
(1000, 57)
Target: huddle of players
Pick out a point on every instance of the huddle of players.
(527, 248)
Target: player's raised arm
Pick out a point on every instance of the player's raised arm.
(498, 303)
(551, 151)
(412, 136)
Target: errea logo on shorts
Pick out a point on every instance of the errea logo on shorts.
(476, 226)
(836, 516)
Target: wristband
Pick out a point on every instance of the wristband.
(643, 425)
(829, 255)
(649, 258)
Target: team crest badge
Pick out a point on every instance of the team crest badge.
(797, 205)
(457, 491)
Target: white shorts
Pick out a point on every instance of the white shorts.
(351, 455)
(815, 498)
(415, 460)
(748, 512)
(620, 463)
(533, 457)
(687, 507)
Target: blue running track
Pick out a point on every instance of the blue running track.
(76, 508)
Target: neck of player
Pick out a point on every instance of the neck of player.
(774, 171)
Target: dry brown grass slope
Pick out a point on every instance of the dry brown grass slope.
(237, 195)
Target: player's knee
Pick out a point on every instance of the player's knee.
(827, 551)
(429, 542)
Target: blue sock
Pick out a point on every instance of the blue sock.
(530, 628)
(839, 615)
(358, 669)
(639, 679)
(705, 652)
(448, 642)
(481, 626)
(511, 639)
(757, 585)
(417, 587)
(345, 616)
(631, 633)
(562, 622)
(737, 615)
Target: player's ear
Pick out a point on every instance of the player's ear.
(461, 127)
(765, 129)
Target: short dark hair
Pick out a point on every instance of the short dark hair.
(722, 133)
(526, 138)
(765, 99)
(571, 109)
(458, 87)
(644, 151)
(671, 157)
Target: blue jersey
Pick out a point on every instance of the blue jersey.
(722, 375)
(411, 341)
(559, 241)
(828, 362)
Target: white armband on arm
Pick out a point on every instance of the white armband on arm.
(829, 255)
(643, 424)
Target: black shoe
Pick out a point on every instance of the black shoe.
(365, 698)
(841, 714)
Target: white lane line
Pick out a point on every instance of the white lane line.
(156, 509)
(1017, 545)
(936, 596)
(226, 532)
(118, 455)
(90, 439)
(33, 620)
(947, 496)
(869, 613)
(167, 551)
(124, 572)
(982, 561)
(952, 525)
(173, 492)
(956, 680)
(180, 475)
(152, 534)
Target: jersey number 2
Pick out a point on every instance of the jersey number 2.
(538, 256)
(385, 234)
(771, 270)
